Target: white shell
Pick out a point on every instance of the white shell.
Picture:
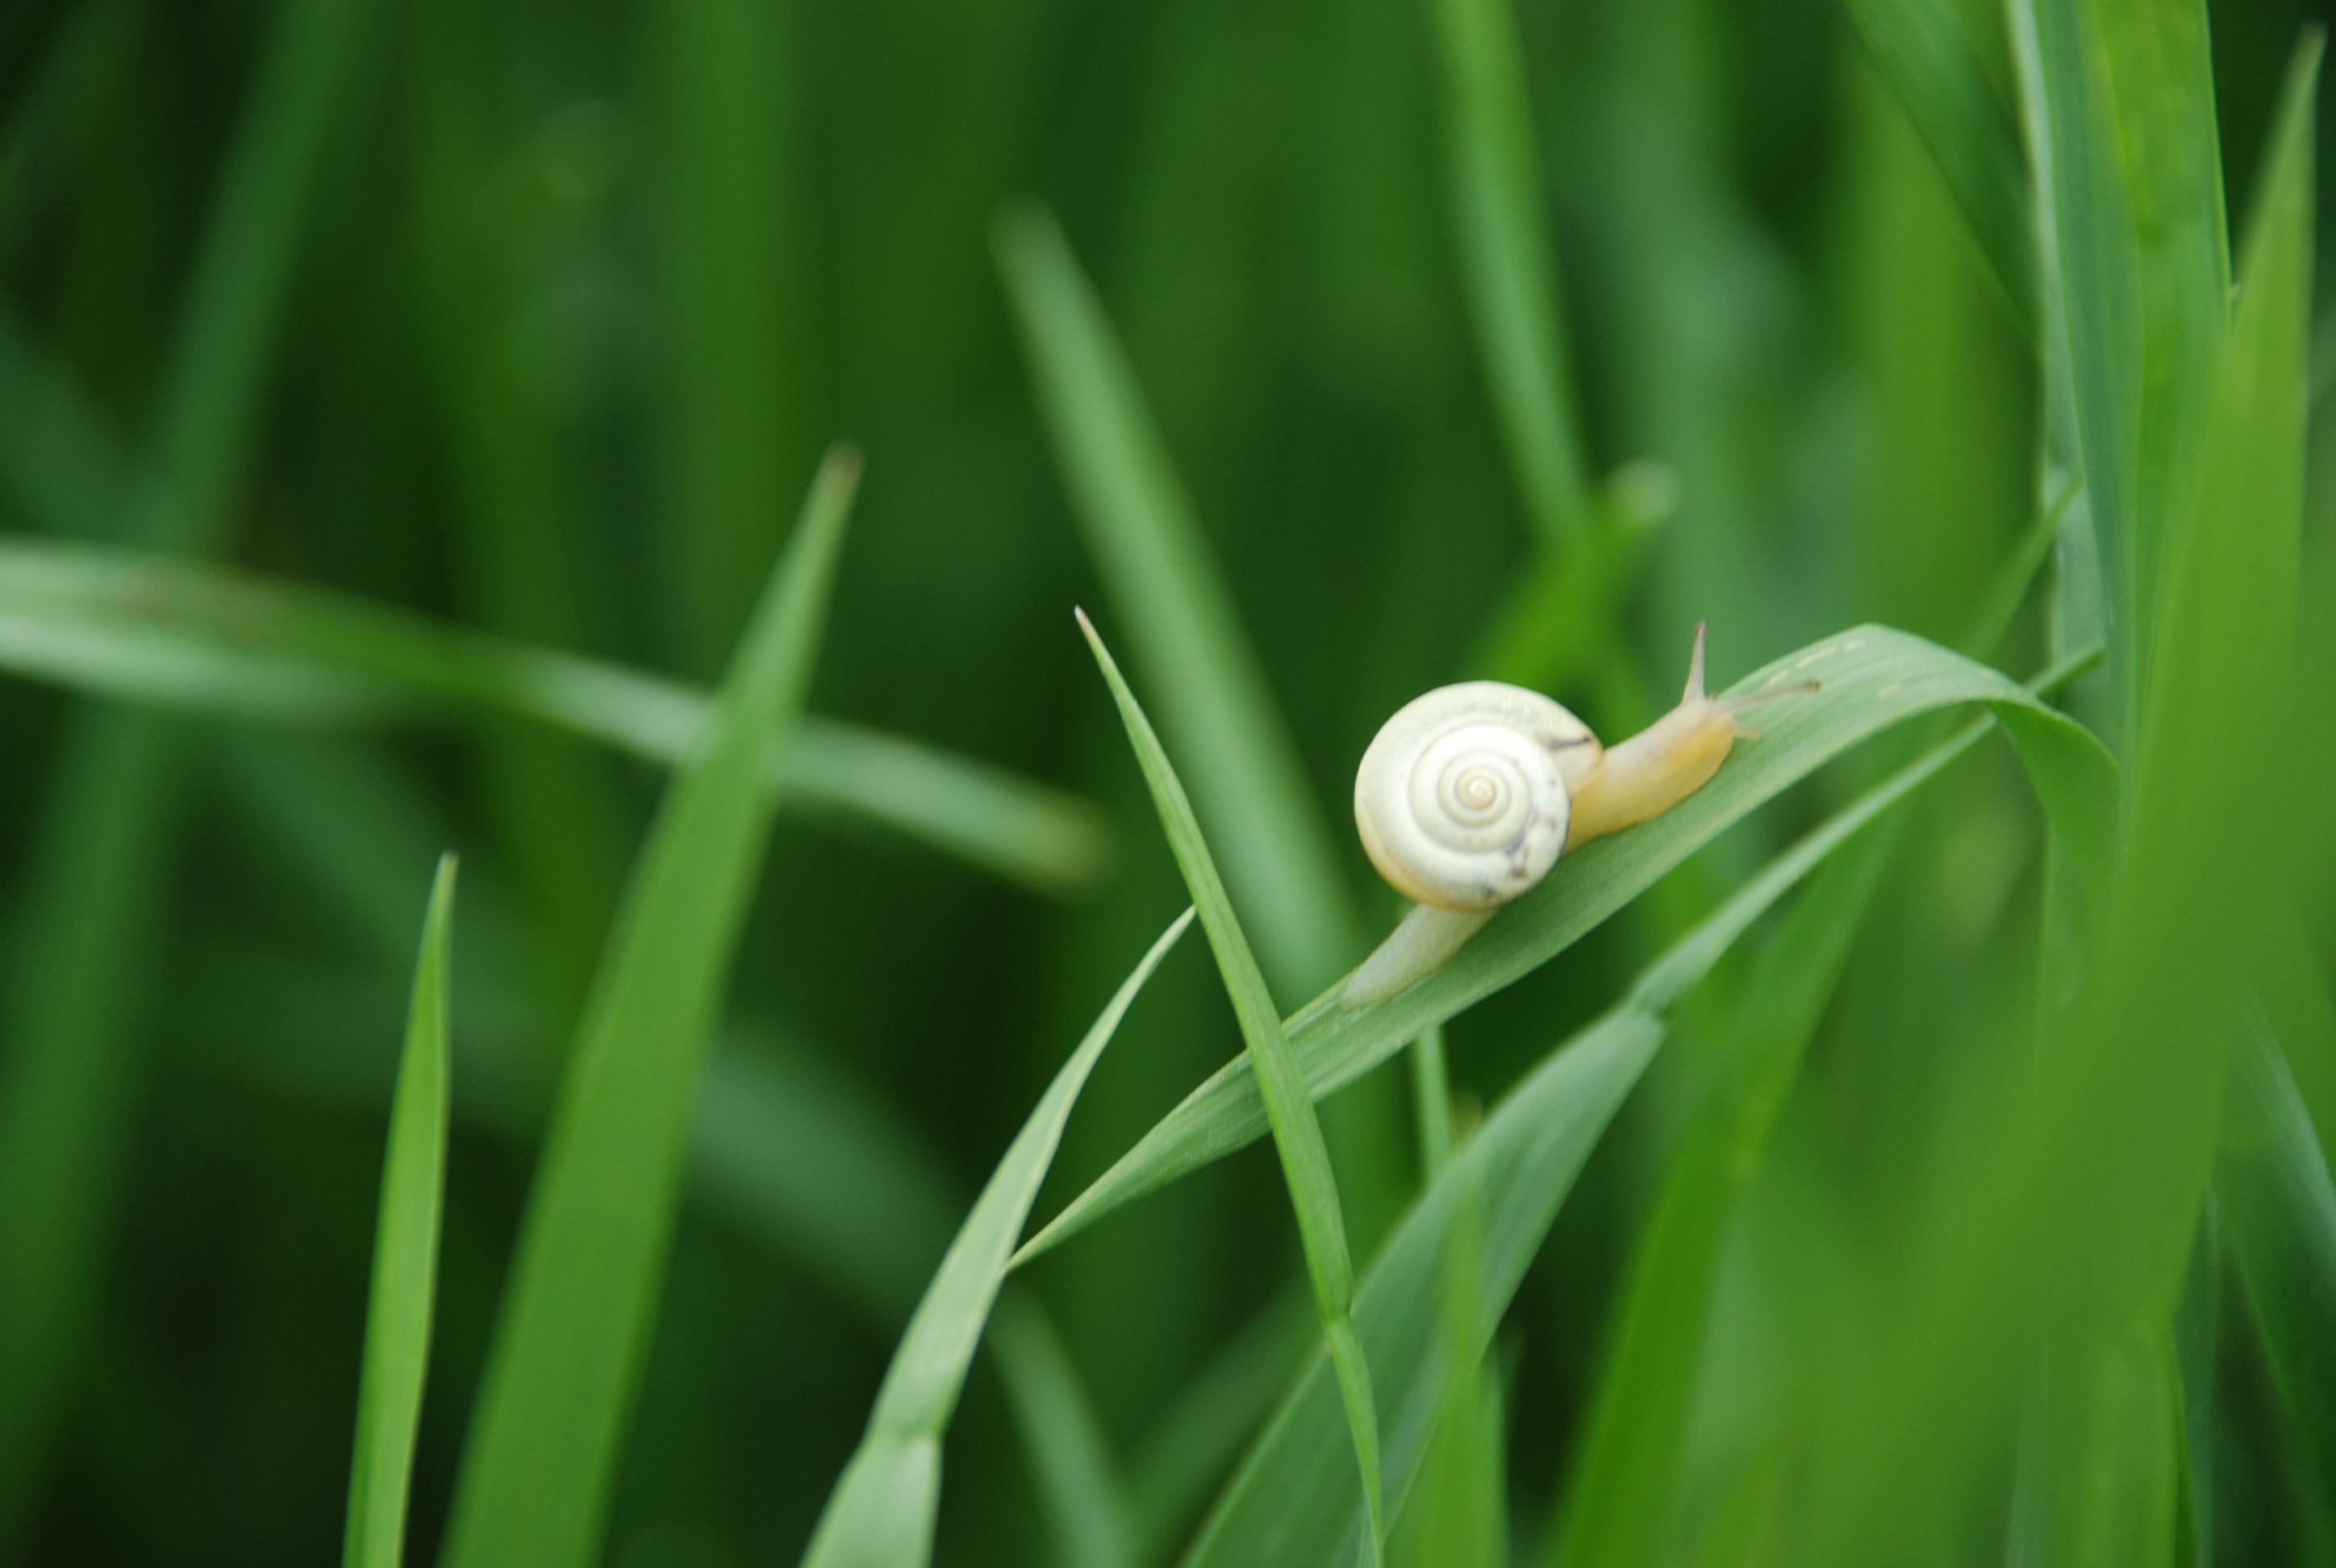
(1463, 798)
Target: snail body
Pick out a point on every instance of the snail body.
(1469, 795)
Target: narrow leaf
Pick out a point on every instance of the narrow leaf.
(211, 641)
(405, 1257)
(576, 1316)
(1507, 262)
(1280, 1085)
(881, 1511)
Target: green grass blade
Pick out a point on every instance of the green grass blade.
(211, 641)
(405, 1257)
(1286, 1505)
(560, 1379)
(2120, 112)
(1150, 546)
(881, 1511)
(1873, 678)
(2278, 1204)
(1923, 49)
(97, 884)
(1082, 1496)
(1281, 1089)
(1624, 1487)
(1508, 263)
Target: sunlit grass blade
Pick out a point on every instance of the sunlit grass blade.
(880, 1513)
(1873, 678)
(211, 641)
(1141, 529)
(1507, 262)
(1287, 1505)
(98, 879)
(549, 1423)
(405, 1257)
(1281, 1091)
(1924, 50)
(2278, 1202)
(2119, 107)
(1084, 1502)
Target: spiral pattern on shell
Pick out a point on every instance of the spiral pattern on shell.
(1464, 797)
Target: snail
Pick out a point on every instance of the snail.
(1469, 795)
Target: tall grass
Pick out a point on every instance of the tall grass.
(1910, 1146)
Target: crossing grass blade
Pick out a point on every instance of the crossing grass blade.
(406, 1256)
(98, 880)
(880, 1513)
(1287, 1505)
(1874, 679)
(1282, 1090)
(1508, 263)
(209, 640)
(1924, 50)
(548, 1428)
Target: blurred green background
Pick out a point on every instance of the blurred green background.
(536, 319)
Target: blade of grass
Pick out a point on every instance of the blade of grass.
(211, 641)
(567, 1356)
(1282, 1090)
(1286, 1505)
(1625, 1486)
(1873, 678)
(1154, 555)
(2120, 114)
(405, 1258)
(1150, 546)
(101, 854)
(1625, 1482)
(1083, 1498)
(882, 1511)
(2096, 1218)
(1924, 50)
(1508, 265)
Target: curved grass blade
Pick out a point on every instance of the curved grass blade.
(1281, 1091)
(209, 640)
(881, 1511)
(405, 1257)
(1507, 262)
(566, 1361)
(1288, 1506)
(1923, 49)
(1148, 542)
(1873, 678)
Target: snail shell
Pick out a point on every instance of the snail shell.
(1463, 798)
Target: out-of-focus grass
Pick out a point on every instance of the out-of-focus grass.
(1488, 337)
